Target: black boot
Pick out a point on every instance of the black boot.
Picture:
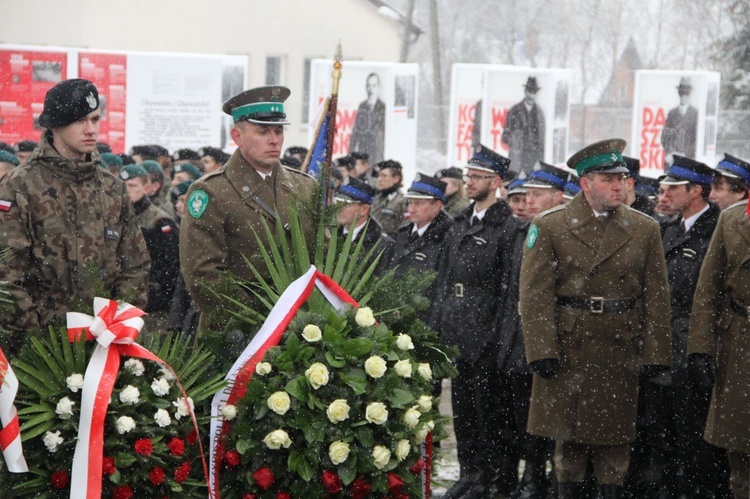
(468, 479)
(612, 491)
(534, 483)
(568, 490)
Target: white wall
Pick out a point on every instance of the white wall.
(295, 29)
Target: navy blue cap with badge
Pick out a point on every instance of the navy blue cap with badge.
(262, 105)
(572, 187)
(734, 167)
(426, 187)
(546, 176)
(600, 157)
(687, 171)
(517, 185)
(356, 191)
(487, 160)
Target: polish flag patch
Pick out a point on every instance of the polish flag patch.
(5, 205)
(166, 229)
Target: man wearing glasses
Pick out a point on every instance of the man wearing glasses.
(594, 302)
(473, 285)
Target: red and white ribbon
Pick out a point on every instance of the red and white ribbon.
(115, 328)
(10, 436)
(268, 336)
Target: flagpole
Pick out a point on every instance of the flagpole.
(336, 75)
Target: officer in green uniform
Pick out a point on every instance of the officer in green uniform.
(594, 302)
(227, 205)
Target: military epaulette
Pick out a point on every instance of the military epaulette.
(552, 210)
(215, 173)
(735, 205)
(639, 212)
(298, 172)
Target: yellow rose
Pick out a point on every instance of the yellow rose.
(262, 368)
(375, 366)
(338, 411)
(411, 417)
(312, 333)
(376, 413)
(317, 374)
(381, 455)
(402, 449)
(425, 371)
(403, 368)
(403, 342)
(364, 317)
(279, 402)
(338, 452)
(277, 439)
(425, 403)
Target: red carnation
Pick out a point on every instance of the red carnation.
(156, 476)
(59, 479)
(283, 495)
(331, 482)
(191, 437)
(264, 478)
(108, 466)
(418, 467)
(360, 489)
(176, 446)
(394, 483)
(144, 447)
(122, 492)
(182, 472)
(232, 458)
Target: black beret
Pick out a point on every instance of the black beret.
(25, 146)
(68, 101)
(362, 156)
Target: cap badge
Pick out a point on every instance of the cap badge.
(91, 100)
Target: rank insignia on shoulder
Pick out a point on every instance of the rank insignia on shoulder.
(197, 203)
(532, 237)
(5, 205)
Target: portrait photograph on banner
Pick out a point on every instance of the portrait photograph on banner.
(674, 112)
(376, 112)
(526, 115)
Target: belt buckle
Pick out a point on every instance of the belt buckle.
(596, 304)
(458, 290)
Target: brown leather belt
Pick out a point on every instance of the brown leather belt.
(597, 304)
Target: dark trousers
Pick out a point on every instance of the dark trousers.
(670, 455)
(530, 447)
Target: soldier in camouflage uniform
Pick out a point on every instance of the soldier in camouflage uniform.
(69, 224)
(389, 206)
(163, 242)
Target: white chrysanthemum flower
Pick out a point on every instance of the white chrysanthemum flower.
(64, 408)
(162, 418)
(160, 386)
(183, 409)
(135, 367)
(74, 382)
(130, 395)
(124, 424)
(52, 440)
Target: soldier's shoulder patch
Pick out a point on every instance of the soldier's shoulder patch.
(532, 236)
(5, 205)
(298, 172)
(216, 173)
(197, 203)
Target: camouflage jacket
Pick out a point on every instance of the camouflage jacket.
(73, 234)
(388, 208)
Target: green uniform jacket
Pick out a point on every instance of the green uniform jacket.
(717, 331)
(74, 233)
(594, 397)
(216, 232)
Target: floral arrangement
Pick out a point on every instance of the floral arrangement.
(341, 407)
(150, 444)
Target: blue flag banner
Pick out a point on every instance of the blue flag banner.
(317, 154)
